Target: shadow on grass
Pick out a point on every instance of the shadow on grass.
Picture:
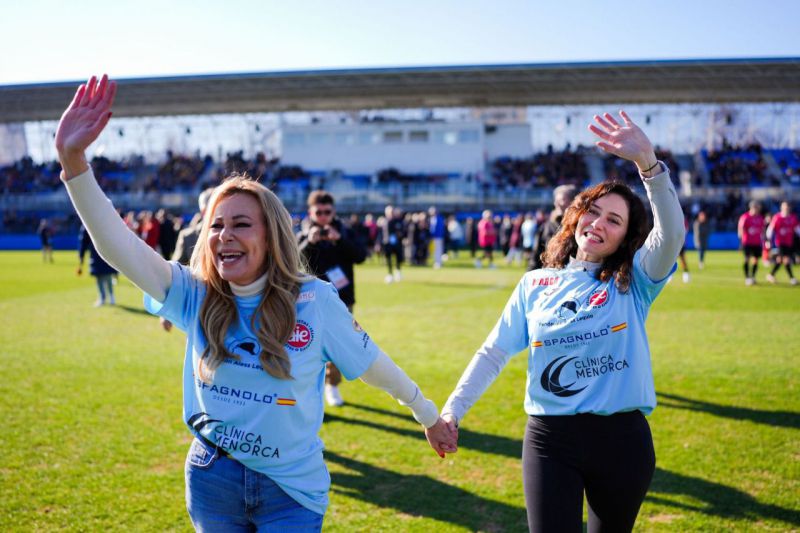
(467, 286)
(467, 439)
(787, 419)
(135, 310)
(715, 499)
(424, 497)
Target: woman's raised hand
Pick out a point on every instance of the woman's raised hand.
(625, 140)
(82, 122)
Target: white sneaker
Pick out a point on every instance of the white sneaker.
(112, 301)
(98, 303)
(388, 278)
(700, 265)
(748, 281)
(478, 263)
(686, 277)
(397, 275)
(437, 266)
(332, 396)
(793, 281)
(492, 266)
(770, 278)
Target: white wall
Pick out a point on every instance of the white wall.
(13, 143)
(410, 147)
(512, 140)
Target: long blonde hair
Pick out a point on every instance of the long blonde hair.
(274, 320)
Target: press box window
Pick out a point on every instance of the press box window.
(392, 137)
(418, 136)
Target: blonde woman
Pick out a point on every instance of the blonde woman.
(259, 334)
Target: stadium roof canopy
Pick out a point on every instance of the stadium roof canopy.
(684, 81)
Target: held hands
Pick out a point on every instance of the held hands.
(443, 437)
(82, 122)
(627, 141)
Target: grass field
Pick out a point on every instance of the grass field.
(93, 439)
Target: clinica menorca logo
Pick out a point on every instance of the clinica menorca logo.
(551, 378)
(200, 420)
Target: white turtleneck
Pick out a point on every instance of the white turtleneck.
(251, 289)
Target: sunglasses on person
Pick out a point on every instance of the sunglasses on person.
(324, 212)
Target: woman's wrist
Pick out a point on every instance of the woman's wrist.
(648, 165)
(73, 164)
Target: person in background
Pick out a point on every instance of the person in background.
(682, 258)
(187, 240)
(150, 230)
(330, 249)
(456, 235)
(471, 236)
(101, 271)
(515, 241)
(371, 227)
(784, 229)
(528, 230)
(437, 229)
(751, 230)
(562, 197)
(487, 239)
(393, 233)
(167, 235)
(701, 231)
(187, 237)
(46, 239)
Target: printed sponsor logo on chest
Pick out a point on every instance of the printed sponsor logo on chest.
(598, 298)
(301, 337)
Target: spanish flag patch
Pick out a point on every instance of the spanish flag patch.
(619, 327)
(286, 401)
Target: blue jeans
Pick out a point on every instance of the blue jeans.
(223, 495)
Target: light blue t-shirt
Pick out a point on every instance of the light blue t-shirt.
(586, 340)
(268, 424)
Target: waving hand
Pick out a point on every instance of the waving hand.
(625, 140)
(82, 122)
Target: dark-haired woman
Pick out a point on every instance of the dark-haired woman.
(259, 334)
(582, 318)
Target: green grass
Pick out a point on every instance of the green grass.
(93, 439)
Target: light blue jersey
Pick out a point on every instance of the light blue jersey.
(269, 425)
(586, 340)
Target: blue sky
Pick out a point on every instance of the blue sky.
(48, 40)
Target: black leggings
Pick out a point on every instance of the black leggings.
(395, 250)
(609, 457)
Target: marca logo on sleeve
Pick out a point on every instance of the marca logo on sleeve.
(306, 296)
(301, 337)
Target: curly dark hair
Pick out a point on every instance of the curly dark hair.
(618, 265)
